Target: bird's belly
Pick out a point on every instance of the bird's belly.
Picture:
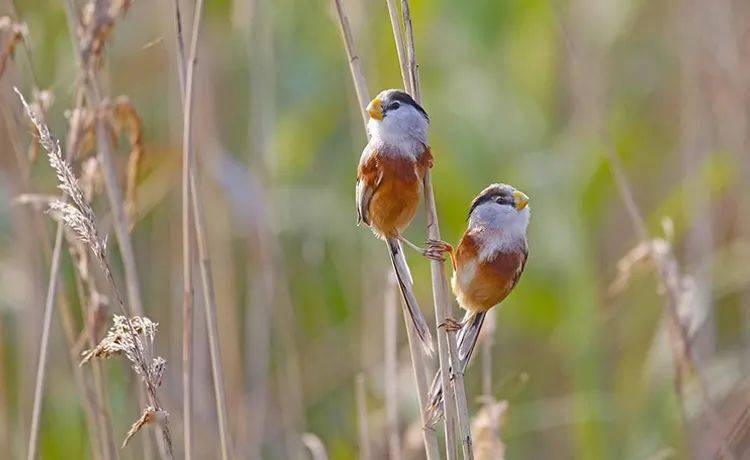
(394, 205)
(477, 287)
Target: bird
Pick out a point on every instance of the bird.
(487, 264)
(389, 183)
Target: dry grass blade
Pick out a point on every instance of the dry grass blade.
(126, 118)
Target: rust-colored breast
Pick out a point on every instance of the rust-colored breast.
(395, 183)
(480, 286)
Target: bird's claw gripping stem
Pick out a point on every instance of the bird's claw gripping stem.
(436, 250)
(451, 325)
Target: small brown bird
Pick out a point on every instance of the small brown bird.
(389, 183)
(487, 264)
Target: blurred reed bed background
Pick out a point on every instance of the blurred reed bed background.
(626, 123)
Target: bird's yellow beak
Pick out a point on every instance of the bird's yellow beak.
(375, 109)
(520, 200)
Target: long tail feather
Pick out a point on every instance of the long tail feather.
(405, 285)
(466, 342)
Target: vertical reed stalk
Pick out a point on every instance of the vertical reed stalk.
(417, 356)
(211, 325)
(187, 227)
(391, 368)
(186, 74)
(43, 347)
(447, 350)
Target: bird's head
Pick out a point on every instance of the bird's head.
(395, 117)
(500, 206)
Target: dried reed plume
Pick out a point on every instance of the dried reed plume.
(79, 217)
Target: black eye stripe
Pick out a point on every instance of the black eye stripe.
(501, 199)
(393, 96)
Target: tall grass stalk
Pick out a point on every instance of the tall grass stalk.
(187, 74)
(390, 339)
(43, 347)
(453, 385)
(187, 70)
(417, 355)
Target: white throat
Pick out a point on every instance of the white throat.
(500, 228)
(401, 132)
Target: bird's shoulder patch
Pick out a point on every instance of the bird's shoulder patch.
(425, 160)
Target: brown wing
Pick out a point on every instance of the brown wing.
(369, 177)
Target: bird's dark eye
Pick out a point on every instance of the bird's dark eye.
(394, 105)
(503, 200)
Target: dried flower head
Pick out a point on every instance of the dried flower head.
(149, 415)
(120, 340)
(77, 215)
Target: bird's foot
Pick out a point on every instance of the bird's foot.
(436, 250)
(451, 325)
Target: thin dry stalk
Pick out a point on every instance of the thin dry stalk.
(211, 323)
(43, 347)
(187, 262)
(390, 322)
(429, 436)
(186, 74)
(417, 355)
(355, 62)
(364, 429)
(447, 348)
(399, 39)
